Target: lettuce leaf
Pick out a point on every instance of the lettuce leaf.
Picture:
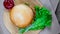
(42, 19)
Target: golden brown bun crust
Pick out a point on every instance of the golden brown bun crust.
(21, 15)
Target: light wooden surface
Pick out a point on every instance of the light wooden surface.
(10, 26)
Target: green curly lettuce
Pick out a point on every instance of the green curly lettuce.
(42, 19)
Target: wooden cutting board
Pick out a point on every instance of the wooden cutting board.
(10, 26)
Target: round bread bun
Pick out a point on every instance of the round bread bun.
(21, 15)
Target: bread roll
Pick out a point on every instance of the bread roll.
(21, 15)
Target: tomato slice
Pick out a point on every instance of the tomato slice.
(8, 4)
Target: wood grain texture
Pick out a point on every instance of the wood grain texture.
(6, 17)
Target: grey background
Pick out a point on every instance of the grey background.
(50, 4)
(58, 12)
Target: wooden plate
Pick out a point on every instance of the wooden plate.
(10, 26)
